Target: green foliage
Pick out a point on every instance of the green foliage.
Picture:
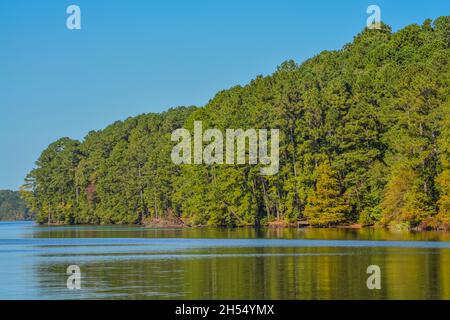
(443, 179)
(364, 138)
(12, 207)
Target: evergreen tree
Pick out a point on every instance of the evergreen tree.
(326, 206)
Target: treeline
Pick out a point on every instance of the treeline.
(365, 138)
(12, 206)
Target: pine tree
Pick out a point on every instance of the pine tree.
(326, 206)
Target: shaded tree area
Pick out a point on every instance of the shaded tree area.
(364, 138)
(12, 206)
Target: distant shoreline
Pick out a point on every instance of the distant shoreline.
(21, 220)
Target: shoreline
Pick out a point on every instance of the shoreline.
(167, 225)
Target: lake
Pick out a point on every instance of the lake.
(133, 262)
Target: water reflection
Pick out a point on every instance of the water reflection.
(134, 262)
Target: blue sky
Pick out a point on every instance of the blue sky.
(133, 57)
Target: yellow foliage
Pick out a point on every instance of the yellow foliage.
(326, 206)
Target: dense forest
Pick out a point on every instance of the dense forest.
(364, 138)
(12, 207)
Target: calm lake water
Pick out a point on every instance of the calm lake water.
(122, 262)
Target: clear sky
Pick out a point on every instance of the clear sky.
(133, 57)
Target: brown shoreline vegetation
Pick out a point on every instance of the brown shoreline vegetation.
(175, 222)
(172, 221)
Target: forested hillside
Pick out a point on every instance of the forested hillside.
(12, 207)
(365, 137)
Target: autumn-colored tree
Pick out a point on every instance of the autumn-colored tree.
(443, 203)
(326, 206)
